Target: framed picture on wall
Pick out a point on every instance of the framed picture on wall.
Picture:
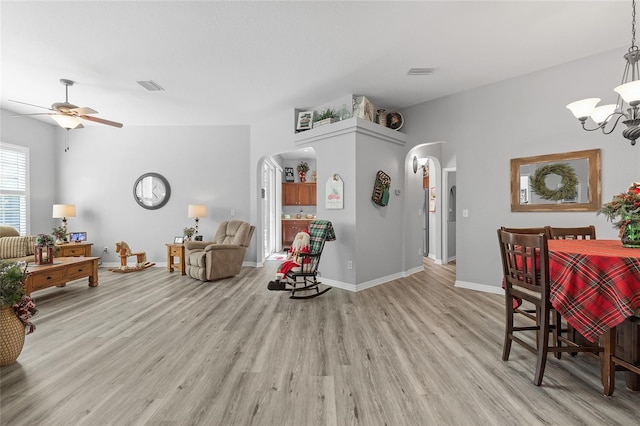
(305, 120)
(288, 174)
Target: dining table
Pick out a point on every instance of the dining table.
(595, 285)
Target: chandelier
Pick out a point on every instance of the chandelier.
(626, 108)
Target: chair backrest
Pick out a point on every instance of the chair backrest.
(577, 233)
(525, 263)
(537, 230)
(234, 232)
(319, 232)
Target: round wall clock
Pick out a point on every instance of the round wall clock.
(151, 191)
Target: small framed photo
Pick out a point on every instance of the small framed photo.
(178, 240)
(197, 238)
(288, 174)
(305, 120)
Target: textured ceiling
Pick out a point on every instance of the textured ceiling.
(234, 62)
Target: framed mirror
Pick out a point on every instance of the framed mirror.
(568, 181)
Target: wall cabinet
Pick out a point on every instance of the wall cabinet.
(298, 194)
(290, 227)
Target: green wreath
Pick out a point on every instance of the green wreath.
(568, 184)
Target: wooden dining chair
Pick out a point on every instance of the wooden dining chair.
(532, 314)
(525, 265)
(576, 233)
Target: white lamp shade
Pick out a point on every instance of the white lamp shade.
(583, 108)
(67, 121)
(601, 113)
(422, 161)
(197, 210)
(630, 92)
(64, 210)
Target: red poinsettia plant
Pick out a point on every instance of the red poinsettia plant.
(624, 208)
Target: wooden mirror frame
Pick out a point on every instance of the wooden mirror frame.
(594, 192)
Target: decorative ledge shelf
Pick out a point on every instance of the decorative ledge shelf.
(352, 125)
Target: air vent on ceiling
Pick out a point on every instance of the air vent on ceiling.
(421, 71)
(150, 85)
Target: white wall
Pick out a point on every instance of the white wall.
(203, 164)
(521, 117)
(38, 137)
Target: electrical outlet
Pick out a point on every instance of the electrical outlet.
(349, 264)
(106, 250)
(233, 212)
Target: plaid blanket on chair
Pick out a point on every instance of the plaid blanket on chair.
(320, 231)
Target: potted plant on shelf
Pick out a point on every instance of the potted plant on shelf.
(15, 310)
(327, 116)
(625, 208)
(303, 168)
(60, 234)
(188, 233)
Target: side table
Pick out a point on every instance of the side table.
(175, 257)
(74, 250)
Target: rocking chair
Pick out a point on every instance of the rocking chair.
(305, 278)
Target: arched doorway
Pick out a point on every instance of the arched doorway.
(427, 230)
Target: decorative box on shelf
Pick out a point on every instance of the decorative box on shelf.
(363, 108)
(325, 121)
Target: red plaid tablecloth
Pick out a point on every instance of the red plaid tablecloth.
(595, 284)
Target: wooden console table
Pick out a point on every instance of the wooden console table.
(62, 270)
(74, 249)
(175, 258)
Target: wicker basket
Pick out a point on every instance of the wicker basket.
(11, 336)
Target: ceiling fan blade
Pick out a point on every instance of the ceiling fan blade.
(101, 120)
(84, 110)
(24, 103)
(35, 113)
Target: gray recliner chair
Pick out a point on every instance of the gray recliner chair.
(222, 257)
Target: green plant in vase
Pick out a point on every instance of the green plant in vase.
(12, 275)
(188, 233)
(303, 168)
(624, 212)
(327, 113)
(44, 240)
(59, 233)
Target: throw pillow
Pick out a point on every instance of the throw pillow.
(11, 247)
(31, 242)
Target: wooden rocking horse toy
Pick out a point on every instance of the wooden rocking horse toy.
(124, 251)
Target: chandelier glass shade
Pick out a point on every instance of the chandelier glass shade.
(606, 117)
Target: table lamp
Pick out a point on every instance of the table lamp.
(64, 211)
(197, 211)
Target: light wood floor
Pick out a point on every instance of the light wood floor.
(160, 349)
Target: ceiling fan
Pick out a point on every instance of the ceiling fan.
(67, 115)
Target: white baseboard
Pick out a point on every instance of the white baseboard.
(479, 287)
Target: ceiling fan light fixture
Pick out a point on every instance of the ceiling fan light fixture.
(67, 121)
(150, 85)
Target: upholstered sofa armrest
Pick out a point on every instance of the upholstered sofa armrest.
(196, 245)
(222, 247)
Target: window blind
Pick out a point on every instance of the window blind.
(14, 186)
